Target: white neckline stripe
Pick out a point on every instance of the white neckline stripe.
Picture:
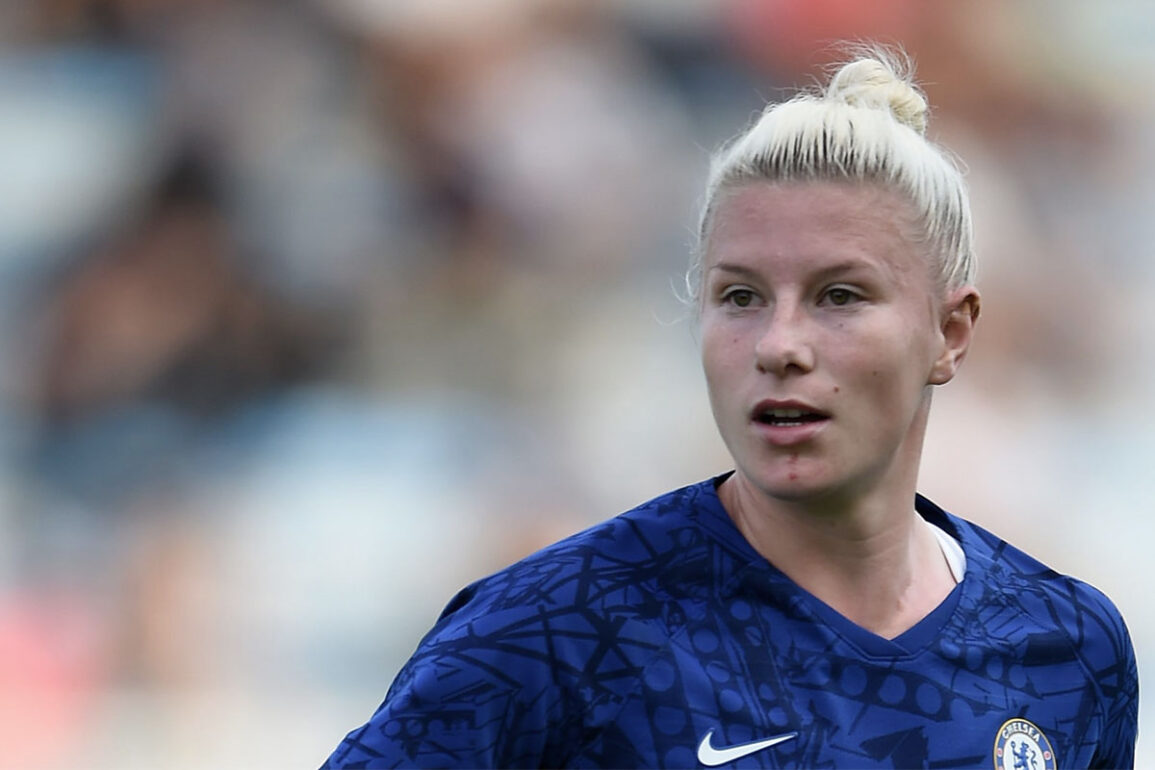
(956, 558)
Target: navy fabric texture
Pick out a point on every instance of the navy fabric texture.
(660, 638)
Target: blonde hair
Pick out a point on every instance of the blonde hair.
(867, 125)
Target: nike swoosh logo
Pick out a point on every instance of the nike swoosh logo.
(710, 756)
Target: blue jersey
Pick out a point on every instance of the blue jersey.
(661, 638)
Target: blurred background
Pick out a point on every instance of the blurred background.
(313, 311)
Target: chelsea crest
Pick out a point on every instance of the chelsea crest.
(1020, 745)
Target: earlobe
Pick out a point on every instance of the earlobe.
(958, 324)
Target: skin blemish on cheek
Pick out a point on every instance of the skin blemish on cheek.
(837, 389)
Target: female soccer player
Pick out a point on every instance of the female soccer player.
(807, 609)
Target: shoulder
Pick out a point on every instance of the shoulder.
(1053, 617)
(520, 661)
(1040, 589)
(619, 566)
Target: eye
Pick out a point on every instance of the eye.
(738, 297)
(840, 296)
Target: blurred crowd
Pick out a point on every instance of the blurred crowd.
(313, 311)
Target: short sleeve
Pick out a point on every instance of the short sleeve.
(1121, 692)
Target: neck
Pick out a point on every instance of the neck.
(871, 558)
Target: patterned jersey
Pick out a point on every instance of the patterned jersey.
(661, 638)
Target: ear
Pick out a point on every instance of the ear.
(960, 313)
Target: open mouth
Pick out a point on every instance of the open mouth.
(787, 417)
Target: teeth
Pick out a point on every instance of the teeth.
(785, 414)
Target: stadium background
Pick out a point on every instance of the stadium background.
(314, 310)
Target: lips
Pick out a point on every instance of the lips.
(786, 423)
(786, 413)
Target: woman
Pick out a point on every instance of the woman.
(807, 609)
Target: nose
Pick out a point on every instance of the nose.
(784, 346)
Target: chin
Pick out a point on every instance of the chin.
(792, 486)
(799, 493)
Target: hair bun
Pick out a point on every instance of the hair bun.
(880, 81)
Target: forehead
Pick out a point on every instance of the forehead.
(813, 223)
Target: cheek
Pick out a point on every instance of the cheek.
(888, 367)
(722, 363)
(720, 346)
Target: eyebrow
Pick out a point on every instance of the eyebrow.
(729, 267)
(838, 268)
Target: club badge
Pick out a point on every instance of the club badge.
(1020, 745)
